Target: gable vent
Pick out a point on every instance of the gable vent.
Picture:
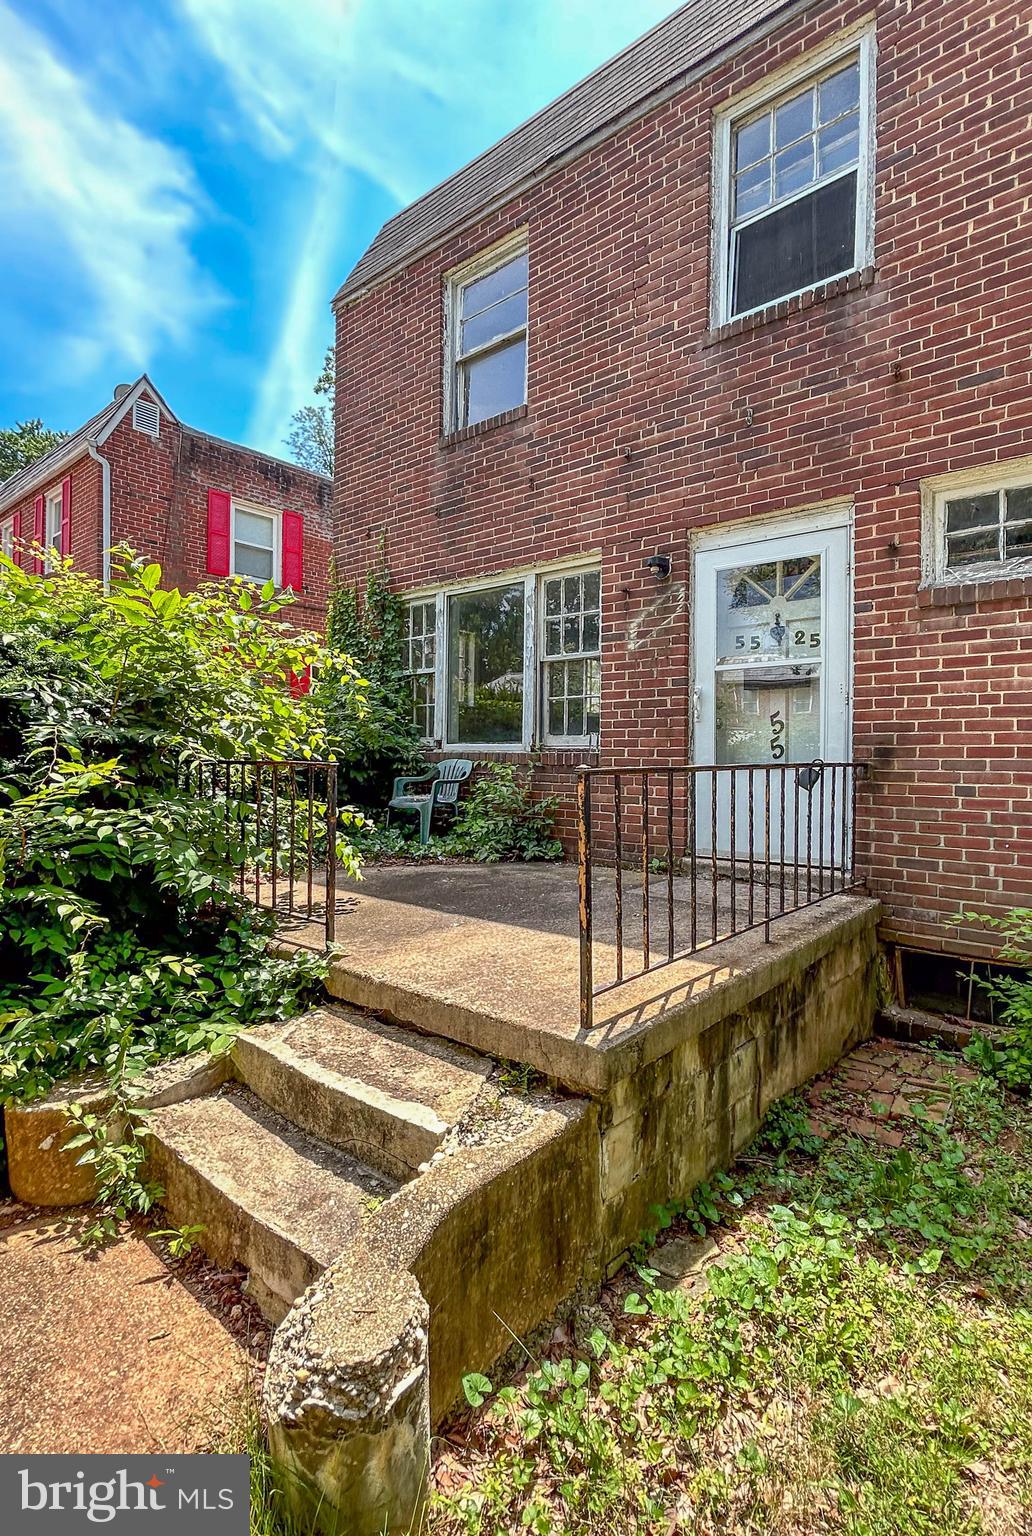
(146, 417)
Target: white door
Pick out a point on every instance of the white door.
(772, 655)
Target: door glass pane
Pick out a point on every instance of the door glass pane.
(769, 610)
(768, 661)
(485, 666)
(769, 714)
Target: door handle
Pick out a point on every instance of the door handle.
(696, 705)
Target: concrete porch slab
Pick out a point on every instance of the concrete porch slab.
(488, 956)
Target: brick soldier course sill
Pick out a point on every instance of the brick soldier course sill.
(449, 439)
(956, 594)
(852, 282)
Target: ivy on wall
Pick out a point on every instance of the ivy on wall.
(368, 624)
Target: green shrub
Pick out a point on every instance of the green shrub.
(122, 937)
(497, 819)
(1008, 1056)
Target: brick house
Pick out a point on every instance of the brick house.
(728, 350)
(202, 507)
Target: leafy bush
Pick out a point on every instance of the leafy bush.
(1009, 1055)
(378, 739)
(122, 937)
(497, 819)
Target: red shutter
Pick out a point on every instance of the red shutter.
(218, 533)
(16, 536)
(293, 551)
(38, 531)
(302, 684)
(66, 516)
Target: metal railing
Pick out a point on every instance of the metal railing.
(716, 850)
(281, 823)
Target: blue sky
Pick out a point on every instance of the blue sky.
(186, 182)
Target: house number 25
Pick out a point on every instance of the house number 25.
(777, 730)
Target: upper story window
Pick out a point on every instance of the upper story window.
(255, 543)
(487, 337)
(7, 537)
(980, 524)
(792, 176)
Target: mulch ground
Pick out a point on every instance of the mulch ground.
(123, 1350)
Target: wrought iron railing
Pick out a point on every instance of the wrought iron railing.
(282, 826)
(705, 852)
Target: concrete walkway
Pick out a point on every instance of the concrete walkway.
(109, 1353)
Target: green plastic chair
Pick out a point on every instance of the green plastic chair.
(444, 780)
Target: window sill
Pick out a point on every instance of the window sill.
(850, 282)
(988, 589)
(479, 428)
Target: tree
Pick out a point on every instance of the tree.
(310, 439)
(23, 443)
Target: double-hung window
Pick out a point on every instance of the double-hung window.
(7, 537)
(487, 338)
(792, 173)
(570, 651)
(52, 524)
(421, 659)
(980, 524)
(255, 543)
(508, 663)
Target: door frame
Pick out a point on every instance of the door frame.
(819, 518)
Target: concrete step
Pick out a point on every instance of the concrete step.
(379, 1091)
(280, 1203)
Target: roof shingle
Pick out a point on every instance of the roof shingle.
(658, 62)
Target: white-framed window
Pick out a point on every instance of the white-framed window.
(52, 524)
(507, 662)
(571, 645)
(978, 524)
(421, 664)
(255, 543)
(7, 537)
(146, 417)
(793, 180)
(486, 335)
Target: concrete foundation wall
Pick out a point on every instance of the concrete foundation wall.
(675, 1121)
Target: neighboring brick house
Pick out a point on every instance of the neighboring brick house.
(201, 507)
(756, 298)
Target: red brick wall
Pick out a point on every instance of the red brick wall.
(87, 504)
(159, 505)
(159, 496)
(642, 428)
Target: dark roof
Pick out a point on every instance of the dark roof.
(23, 479)
(656, 64)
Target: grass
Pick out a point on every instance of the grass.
(859, 1359)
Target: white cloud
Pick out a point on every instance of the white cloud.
(397, 92)
(105, 209)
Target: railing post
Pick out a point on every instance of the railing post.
(331, 853)
(584, 898)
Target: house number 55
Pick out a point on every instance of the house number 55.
(777, 730)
